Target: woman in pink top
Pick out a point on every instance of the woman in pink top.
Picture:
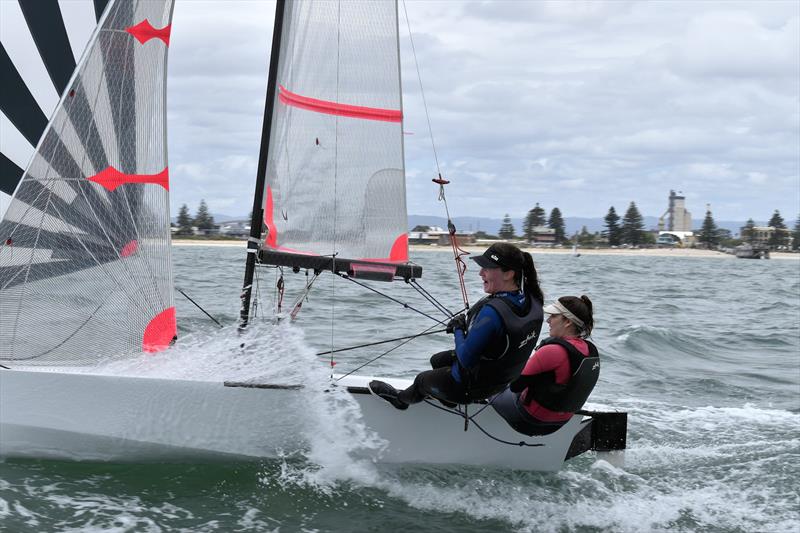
(559, 376)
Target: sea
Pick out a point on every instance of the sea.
(703, 353)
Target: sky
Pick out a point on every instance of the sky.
(577, 105)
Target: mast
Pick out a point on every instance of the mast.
(256, 223)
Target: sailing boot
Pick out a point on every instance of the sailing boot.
(388, 393)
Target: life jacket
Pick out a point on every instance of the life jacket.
(505, 360)
(570, 396)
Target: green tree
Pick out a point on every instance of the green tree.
(536, 217)
(725, 238)
(778, 237)
(184, 221)
(612, 232)
(632, 225)
(422, 229)
(796, 235)
(203, 219)
(507, 228)
(648, 238)
(708, 232)
(556, 223)
(748, 231)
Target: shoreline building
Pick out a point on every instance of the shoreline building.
(678, 220)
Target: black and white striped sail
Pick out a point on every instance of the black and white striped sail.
(335, 172)
(38, 43)
(85, 269)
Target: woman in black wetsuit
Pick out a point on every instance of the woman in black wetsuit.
(493, 341)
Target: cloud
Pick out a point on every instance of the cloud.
(579, 105)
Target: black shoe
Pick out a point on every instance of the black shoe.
(388, 393)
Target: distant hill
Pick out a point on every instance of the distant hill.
(572, 224)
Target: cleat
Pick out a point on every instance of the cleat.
(388, 393)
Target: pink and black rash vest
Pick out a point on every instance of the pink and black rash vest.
(559, 378)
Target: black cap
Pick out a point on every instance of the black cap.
(500, 256)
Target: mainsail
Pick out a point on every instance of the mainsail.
(85, 268)
(335, 176)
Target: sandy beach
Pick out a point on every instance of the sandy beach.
(639, 252)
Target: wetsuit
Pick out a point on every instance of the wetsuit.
(502, 330)
(550, 365)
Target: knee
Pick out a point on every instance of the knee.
(442, 359)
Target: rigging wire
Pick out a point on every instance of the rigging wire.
(376, 291)
(390, 350)
(458, 252)
(422, 92)
(428, 296)
(383, 342)
(217, 322)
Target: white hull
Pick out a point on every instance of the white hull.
(133, 419)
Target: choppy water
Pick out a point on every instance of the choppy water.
(704, 354)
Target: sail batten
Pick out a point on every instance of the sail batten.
(85, 269)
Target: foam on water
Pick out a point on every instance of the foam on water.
(338, 444)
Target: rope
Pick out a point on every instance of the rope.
(279, 286)
(298, 303)
(458, 413)
(458, 254)
(382, 342)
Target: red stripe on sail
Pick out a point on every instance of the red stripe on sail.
(269, 220)
(160, 332)
(334, 108)
(111, 178)
(144, 31)
(399, 249)
(129, 249)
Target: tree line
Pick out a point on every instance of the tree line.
(711, 236)
(203, 220)
(628, 229)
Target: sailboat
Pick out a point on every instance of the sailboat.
(85, 267)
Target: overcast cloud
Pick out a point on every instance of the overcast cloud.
(580, 105)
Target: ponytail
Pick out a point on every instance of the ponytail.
(525, 276)
(530, 279)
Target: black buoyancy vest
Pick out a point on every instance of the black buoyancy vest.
(571, 396)
(505, 361)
